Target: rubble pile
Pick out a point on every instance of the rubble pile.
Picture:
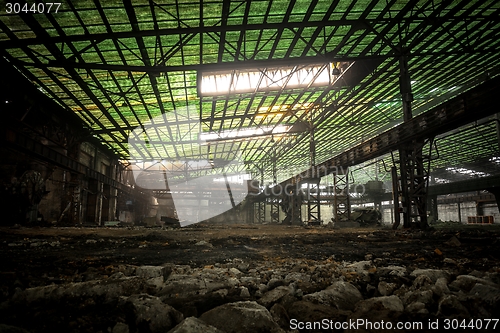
(240, 296)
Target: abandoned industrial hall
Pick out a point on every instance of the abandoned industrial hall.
(232, 166)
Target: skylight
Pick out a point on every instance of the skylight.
(240, 81)
(468, 172)
(244, 133)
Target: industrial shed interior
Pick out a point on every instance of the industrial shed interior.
(249, 166)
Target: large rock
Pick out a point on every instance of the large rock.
(147, 313)
(341, 295)
(304, 311)
(241, 317)
(280, 316)
(467, 282)
(274, 296)
(433, 274)
(391, 303)
(385, 288)
(120, 328)
(440, 288)
(194, 325)
(376, 309)
(450, 306)
(417, 307)
(422, 296)
(150, 272)
(487, 294)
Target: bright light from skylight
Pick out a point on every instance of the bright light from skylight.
(240, 81)
(467, 172)
(234, 179)
(244, 133)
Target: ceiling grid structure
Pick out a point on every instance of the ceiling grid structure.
(122, 65)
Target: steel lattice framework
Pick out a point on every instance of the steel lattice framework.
(119, 64)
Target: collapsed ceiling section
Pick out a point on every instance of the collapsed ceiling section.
(274, 80)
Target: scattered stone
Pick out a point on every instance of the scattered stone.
(108, 289)
(422, 281)
(307, 311)
(392, 303)
(487, 293)
(450, 261)
(235, 271)
(467, 282)
(385, 288)
(280, 316)
(361, 267)
(204, 243)
(245, 317)
(441, 287)
(149, 313)
(341, 295)
(453, 241)
(194, 325)
(449, 305)
(376, 309)
(273, 283)
(243, 266)
(433, 274)
(392, 271)
(297, 277)
(244, 292)
(182, 285)
(421, 296)
(149, 272)
(90, 241)
(120, 328)
(417, 307)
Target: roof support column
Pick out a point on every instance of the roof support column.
(498, 130)
(313, 190)
(412, 173)
(275, 199)
(260, 206)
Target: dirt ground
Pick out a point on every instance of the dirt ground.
(33, 257)
(39, 256)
